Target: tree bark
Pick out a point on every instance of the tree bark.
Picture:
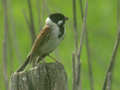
(45, 76)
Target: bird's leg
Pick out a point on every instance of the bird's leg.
(38, 59)
(54, 59)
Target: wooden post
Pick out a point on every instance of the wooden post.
(45, 76)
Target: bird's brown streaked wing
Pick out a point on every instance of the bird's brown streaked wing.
(40, 38)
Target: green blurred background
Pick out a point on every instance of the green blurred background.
(102, 32)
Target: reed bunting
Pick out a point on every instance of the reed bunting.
(47, 40)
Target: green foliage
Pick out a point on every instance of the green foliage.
(102, 32)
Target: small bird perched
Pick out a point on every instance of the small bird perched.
(47, 40)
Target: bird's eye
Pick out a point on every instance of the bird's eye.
(60, 22)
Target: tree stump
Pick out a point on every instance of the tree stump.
(45, 76)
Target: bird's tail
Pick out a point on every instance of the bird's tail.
(22, 67)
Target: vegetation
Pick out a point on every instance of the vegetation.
(102, 30)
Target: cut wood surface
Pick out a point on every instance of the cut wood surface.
(45, 76)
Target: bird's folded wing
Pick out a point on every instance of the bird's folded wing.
(40, 39)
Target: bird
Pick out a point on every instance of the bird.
(47, 40)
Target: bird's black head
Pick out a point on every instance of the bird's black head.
(58, 18)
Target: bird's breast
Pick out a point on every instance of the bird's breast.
(53, 41)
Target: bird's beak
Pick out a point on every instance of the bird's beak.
(66, 18)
